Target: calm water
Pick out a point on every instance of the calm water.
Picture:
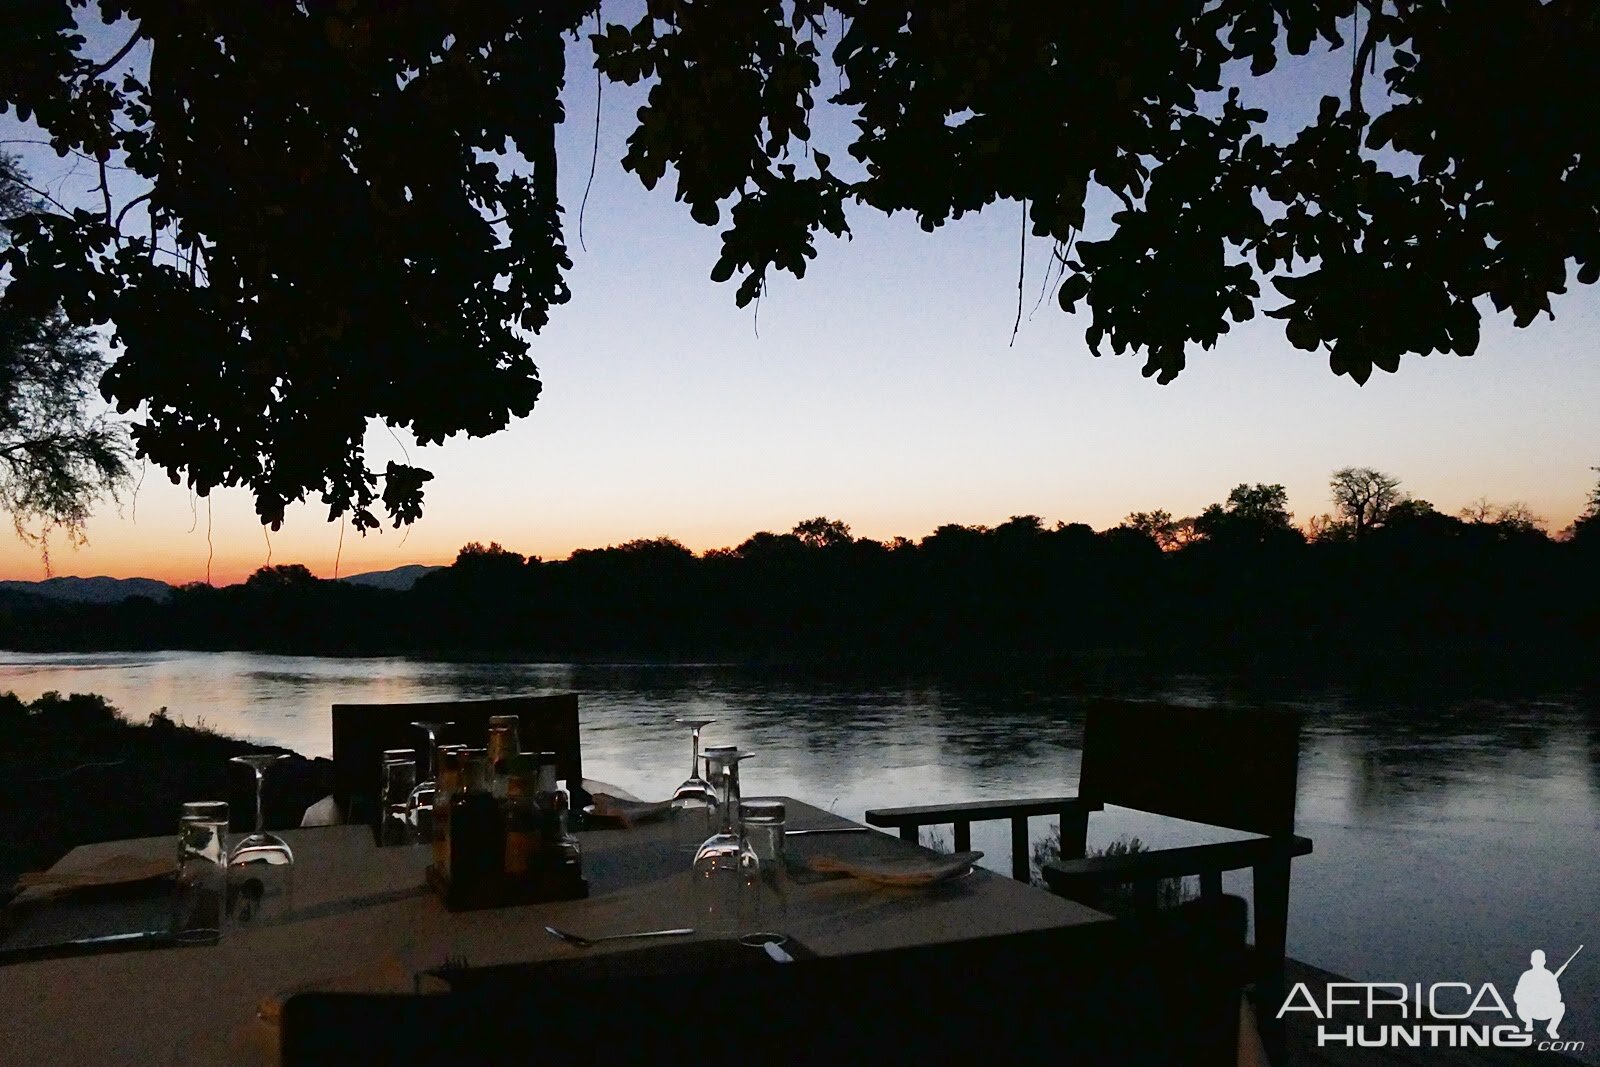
(1452, 837)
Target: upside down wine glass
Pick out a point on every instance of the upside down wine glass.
(261, 865)
(695, 800)
(394, 802)
(419, 805)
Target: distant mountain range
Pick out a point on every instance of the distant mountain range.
(104, 590)
(91, 590)
(401, 578)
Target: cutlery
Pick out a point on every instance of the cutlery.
(830, 830)
(590, 942)
(447, 971)
(88, 945)
(777, 952)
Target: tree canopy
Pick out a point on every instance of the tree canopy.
(352, 208)
(1364, 497)
(59, 453)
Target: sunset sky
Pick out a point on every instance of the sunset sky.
(881, 391)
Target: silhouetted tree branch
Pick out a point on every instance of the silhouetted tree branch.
(369, 146)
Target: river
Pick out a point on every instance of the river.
(1453, 834)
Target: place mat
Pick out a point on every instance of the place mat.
(609, 809)
(591, 786)
(117, 870)
(908, 870)
(650, 961)
(58, 916)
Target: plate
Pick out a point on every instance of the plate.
(906, 872)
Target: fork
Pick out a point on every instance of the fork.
(589, 942)
(452, 965)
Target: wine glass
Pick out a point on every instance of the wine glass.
(399, 781)
(419, 805)
(726, 869)
(261, 865)
(695, 797)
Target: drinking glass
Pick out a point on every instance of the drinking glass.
(261, 866)
(726, 869)
(399, 779)
(419, 805)
(766, 921)
(202, 888)
(695, 801)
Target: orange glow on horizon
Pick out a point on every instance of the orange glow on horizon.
(122, 550)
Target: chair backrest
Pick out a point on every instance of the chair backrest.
(362, 731)
(1231, 767)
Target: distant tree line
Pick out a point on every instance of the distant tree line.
(1380, 582)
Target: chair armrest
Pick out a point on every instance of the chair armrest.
(1174, 862)
(962, 816)
(977, 811)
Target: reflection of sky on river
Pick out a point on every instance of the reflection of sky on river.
(1452, 836)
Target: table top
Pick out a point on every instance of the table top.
(361, 914)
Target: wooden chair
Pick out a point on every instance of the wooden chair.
(1228, 767)
(1151, 990)
(362, 731)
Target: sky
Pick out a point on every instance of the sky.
(882, 390)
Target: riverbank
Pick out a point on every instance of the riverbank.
(75, 769)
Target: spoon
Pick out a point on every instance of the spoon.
(590, 942)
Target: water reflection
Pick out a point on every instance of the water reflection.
(1453, 833)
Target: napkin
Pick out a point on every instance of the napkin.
(898, 870)
(119, 869)
(627, 811)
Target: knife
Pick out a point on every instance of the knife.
(85, 946)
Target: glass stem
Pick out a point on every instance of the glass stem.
(730, 796)
(694, 762)
(260, 777)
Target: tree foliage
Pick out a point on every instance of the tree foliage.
(1586, 527)
(1159, 526)
(1364, 497)
(822, 532)
(1424, 592)
(59, 453)
(1253, 515)
(352, 208)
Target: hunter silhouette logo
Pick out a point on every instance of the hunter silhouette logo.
(1440, 1014)
(1538, 994)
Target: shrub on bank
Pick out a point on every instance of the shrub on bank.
(75, 769)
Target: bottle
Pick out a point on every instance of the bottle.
(477, 834)
(560, 856)
(523, 839)
(448, 784)
(504, 744)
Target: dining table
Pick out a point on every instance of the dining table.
(363, 919)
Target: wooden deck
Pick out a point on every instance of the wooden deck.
(1296, 1044)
